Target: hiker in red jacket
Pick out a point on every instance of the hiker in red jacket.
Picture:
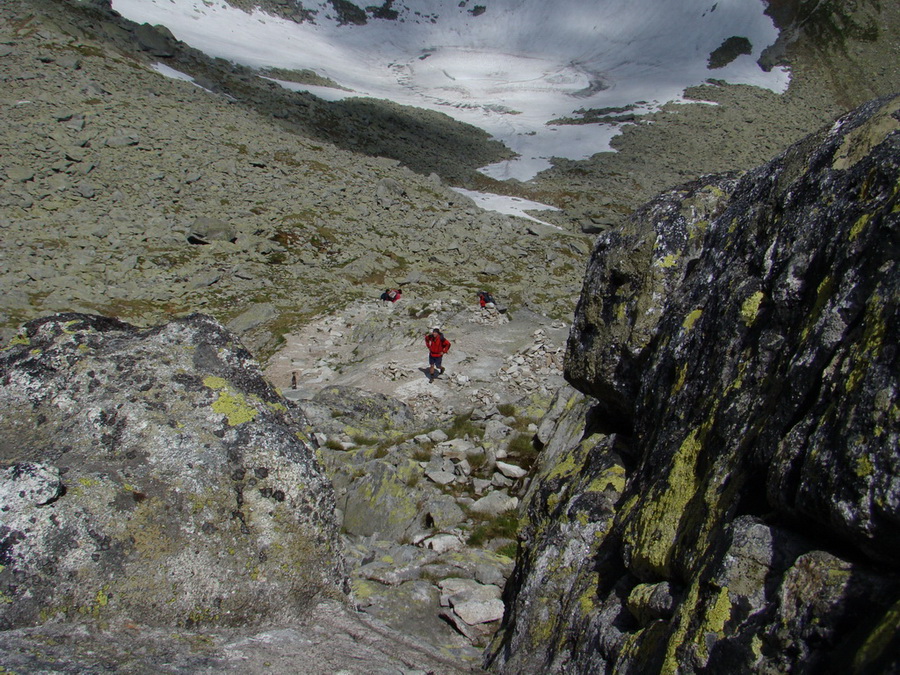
(437, 345)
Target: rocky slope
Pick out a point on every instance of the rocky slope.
(186, 498)
(155, 484)
(727, 500)
(143, 198)
(135, 195)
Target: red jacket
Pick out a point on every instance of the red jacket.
(438, 345)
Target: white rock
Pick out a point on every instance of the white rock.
(496, 430)
(438, 436)
(29, 484)
(480, 485)
(475, 612)
(441, 543)
(495, 503)
(511, 470)
(501, 481)
(458, 448)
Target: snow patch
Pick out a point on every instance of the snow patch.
(510, 71)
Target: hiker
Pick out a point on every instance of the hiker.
(485, 299)
(437, 345)
(391, 294)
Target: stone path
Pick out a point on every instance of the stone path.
(380, 348)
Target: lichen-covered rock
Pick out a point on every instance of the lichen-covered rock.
(153, 475)
(355, 412)
(745, 362)
(641, 268)
(382, 501)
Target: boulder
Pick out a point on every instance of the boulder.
(442, 512)
(154, 475)
(728, 502)
(382, 501)
(495, 503)
(511, 470)
(205, 230)
(158, 40)
(340, 408)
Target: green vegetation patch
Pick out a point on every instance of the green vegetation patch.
(503, 526)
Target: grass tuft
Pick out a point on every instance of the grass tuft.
(505, 525)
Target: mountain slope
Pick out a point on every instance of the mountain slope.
(132, 194)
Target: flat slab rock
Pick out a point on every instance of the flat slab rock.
(333, 639)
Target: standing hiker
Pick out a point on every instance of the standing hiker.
(437, 345)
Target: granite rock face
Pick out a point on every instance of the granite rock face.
(153, 475)
(729, 500)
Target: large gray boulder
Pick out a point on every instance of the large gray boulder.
(155, 476)
(731, 502)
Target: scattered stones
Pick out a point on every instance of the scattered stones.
(304, 221)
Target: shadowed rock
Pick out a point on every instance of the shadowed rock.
(740, 339)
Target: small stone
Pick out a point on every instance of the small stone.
(441, 477)
(19, 174)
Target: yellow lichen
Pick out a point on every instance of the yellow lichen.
(552, 501)
(864, 466)
(230, 403)
(587, 601)
(567, 466)
(860, 141)
(19, 340)
(720, 612)
(756, 645)
(691, 319)
(750, 308)
(859, 225)
(214, 382)
(362, 589)
(669, 261)
(277, 407)
(235, 408)
(680, 378)
(878, 641)
(697, 228)
(654, 532)
(680, 623)
(613, 477)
